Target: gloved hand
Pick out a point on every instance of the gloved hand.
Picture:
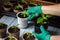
(44, 35)
(33, 12)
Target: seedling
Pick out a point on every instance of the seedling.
(22, 1)
(29, 35)
(1, 23)
(14, 26)
(24, 13)
(43, 18)
(6, 3)
(11, 37)
(32, 2)
(17, 7)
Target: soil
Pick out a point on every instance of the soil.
(13, 1)
(31, 5)
(25, 6)
(14, 31)
(54, 21)
(22, 16)
(37, 27)
(8, 6)
(3, 30)
(19, 9)
(31, 38)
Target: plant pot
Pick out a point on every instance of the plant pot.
(37, 27)
(23, 22)
(9, 39)
(7, 8)
(13, 2)
(25, 6)
(14, 32)
(3, 30)
(17, 10)
(54, 21)
(25, 37)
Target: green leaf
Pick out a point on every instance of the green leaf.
(44, 17)
(39, 20)
(11, 37)
(15, 26)
(32, 2)
(1, 23)
(17, 7)
(49, 15)
(22, 1)
(24, 13)
(6, 3)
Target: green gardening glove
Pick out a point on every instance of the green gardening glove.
(44, 35)
(33, 12)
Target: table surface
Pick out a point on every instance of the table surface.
(12, 21)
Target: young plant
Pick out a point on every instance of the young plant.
(24, 13)
(1, 23)
(43, 18)
(6, 3)
(29, 35)
(14, 26)
(22, 1)
(17, 7)
(31, 2)
(11, 37)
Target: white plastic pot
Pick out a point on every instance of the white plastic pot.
(23, 22)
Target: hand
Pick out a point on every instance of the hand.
(44, 35)
(33, 12)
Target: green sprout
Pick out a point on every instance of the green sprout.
(11, 37)
(40, 4)
(32, 2)
(6, 3)
(1, 23)
(17, 6)
(15, 26)
(29, 35)
(43, 18)
(24, 13)
(22, 1)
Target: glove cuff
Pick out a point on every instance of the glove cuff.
(39, 9)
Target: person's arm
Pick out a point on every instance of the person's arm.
(52, 9)
(57, 37)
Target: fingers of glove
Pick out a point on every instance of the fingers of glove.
(42, 29)
(31, 17)
(30, 10)
(35, 34)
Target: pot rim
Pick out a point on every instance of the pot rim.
(18, 14)
(23, 35)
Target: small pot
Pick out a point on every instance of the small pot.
(7, 8)
(24, 5)
(14, 32)
(3, 31)
(23, 22)
(13, 38)
(25, 37)
(54, 21)
(37, 27)
(17, 10)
